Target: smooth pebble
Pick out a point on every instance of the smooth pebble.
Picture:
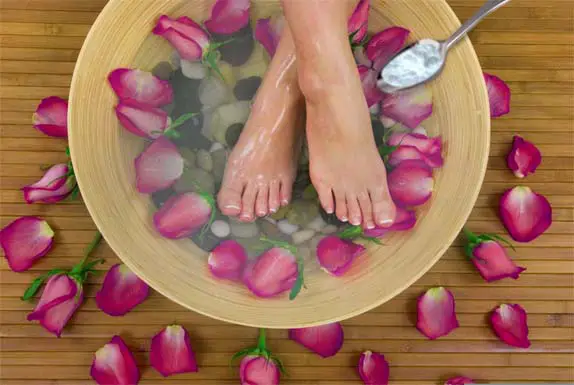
(329, 229)
(315, 241)
(213, 92)
(302, 236)
(204, 160)
(193, 69)
(216, 146)
(220, 229)
(244, 230)
(175, 60)
(163, 70)
(286, 227)
(317, 224)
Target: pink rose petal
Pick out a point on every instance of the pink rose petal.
(524, 158)
(369, 82)
(54, 186)
(403, 153)
(158, 167)
(404, 220)
(51, 117)
(140, 87)
(411, 183)
(409, 107)
(256, 370)
(524, 213)
(384, 45)
(171, 352)
(509, 322)
(268, 32)
(359, 22)
(427, 146)
(121, 291)
(182, 215)
(147, 122)
(272, 273)
(459, 381)
(185, 35)
(325, 340)
(228, 16)
(436, 313)
(114, 364)
(25, 240)
(227, 260)
(373, 368)
(60, 298)
(335, 255)
(498, 95)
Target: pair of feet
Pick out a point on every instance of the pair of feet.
(345, 166)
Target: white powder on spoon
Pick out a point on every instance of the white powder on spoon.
(414, 65)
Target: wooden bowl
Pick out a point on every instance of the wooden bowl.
(103, 153)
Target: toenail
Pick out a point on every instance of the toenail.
(356, 221)
(232, 207)
(330, 210)
(261, 213)
(246, 216)
(386, 222)
(370, 225)
(344, 219)
(273, 210)
(284, 202)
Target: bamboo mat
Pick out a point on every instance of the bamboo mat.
(528, 43)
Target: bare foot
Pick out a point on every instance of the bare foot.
(262, 166)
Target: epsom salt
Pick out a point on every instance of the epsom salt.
(414, 65)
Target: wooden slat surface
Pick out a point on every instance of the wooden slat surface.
(529, 43)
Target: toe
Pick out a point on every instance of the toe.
(354, 209)
(366, 210)
(248, 203)
(229, 198)
(341, 206)
(262, 202)
(286, 190)
(326, 198)
(274, 198)
(384, 208)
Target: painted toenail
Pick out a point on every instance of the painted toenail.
(284, 202)
(355, 221)
(344, 219)
(386, 222)
(370, 225)
(261, 213)
(232, 207)
(273, 210)
(330, 210)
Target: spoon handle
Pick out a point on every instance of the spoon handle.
(489, 7)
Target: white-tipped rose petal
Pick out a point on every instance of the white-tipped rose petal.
(182, 215)
(121, 291)
(404, 220)
(272, 273)
(358, 22)
(336, 255)
(228, 16)
(257, 370)
(227, 260)
(147, 122)
(409, 107)
(436, 315)
(25, 240)
(509, 322)
(524, 158)
(498, 95)
(140, 87)
(373, 368)
(171, 352)
(525, 214)
(325, 340)
(411, 183)
(185, 35)
(459, 381)
(158, 167)
(403, 153)
(115, 364)
(369, 82)
(426, 145)
(56, 184)
(51, 117)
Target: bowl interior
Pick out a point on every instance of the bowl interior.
(103, 155)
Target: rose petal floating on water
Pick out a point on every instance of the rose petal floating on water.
(421, 131)
(25, 240)
(182, 215)
(228, 16)
(272, 273)
(436, 315)
(171, 353)
(268, 32)
(147, 122)
(524, 158)
(409, 107)
(358, 22)
(403, 153)
(51, 117)
(386, 44)
(373, 368)
(524, 213)
(335, 255)
(498, 95)
(185, 35)
(426, 145)
(158, 167)
(404, 220)
(60, 298)
(325, 340)
(509, 322)
(257, 370)
(227, 260)
(411, 183)
(121, 291)
(54, 186)
(459, 381)
(115, 364)
(141, 88)
(369, 81)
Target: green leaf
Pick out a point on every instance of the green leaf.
(372, 239)
(68, 151)
(285, 245)
(495, 237)
(351, 232)
(211, 59)
(279, 365)
(296, 289)
(385, 150)
(37, 283)
(468, 250)
(181, 120)
(242, 353)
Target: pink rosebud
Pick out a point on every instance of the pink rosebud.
(121, 291)
(369, 81)
(272, 273)
(228, 16)
(428, 146)
(257, 370)
(459, 381)
(436, 315)
(335, 255)
(490, 257)
(403, 153)
(171, 353)
(498, 95)
(325, 340)
(147, 122)
(409, 107)
(524, 213)
(268, 32)
(384, 45)
(56, 185)
(185, 35)
(524, 158)
(115, 364)
(51, 117)
(24, 241)
(60, 299)
(227, 260)
(510, 325)
(404, 220)
(140, 88)
(184, 214)
(373, 368)
(411, 183)
(158, 167)
(359, 22)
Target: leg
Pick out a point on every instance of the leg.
(260, 172)
(346, 168)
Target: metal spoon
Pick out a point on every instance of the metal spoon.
(386, 85)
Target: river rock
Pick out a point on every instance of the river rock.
(220, 229)
(219, 160)
(331, 219)
(281, 213)
(195, 179)
(193, 69)
(329, 229)
(238, 50)
(175, 60)
(185, 94)
(302, 236)
(213, 92)
(317, 224)
(189, 157)
(302, 212)
(244, 230)
(253, 246)
(204, 160)
(314, 242)
(225, 117)
(271, 230)
(162, 70)
(229, 74)
(190, 134)
(256, 65)
(159, 197)
(216, 146)
(245, 89)
(207, 242)
(168, 108)
(286, 227)
(233, 133)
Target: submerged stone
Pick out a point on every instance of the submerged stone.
(233, 133)
(204, 160)
(239, 49)
(159, 197)
(190, 134)
(185, 94)
(163, 70)
(195, 179)
(245, 89)
(213, 92)
(302, 212)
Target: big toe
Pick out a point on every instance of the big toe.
(384, 209)
(229, 198)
